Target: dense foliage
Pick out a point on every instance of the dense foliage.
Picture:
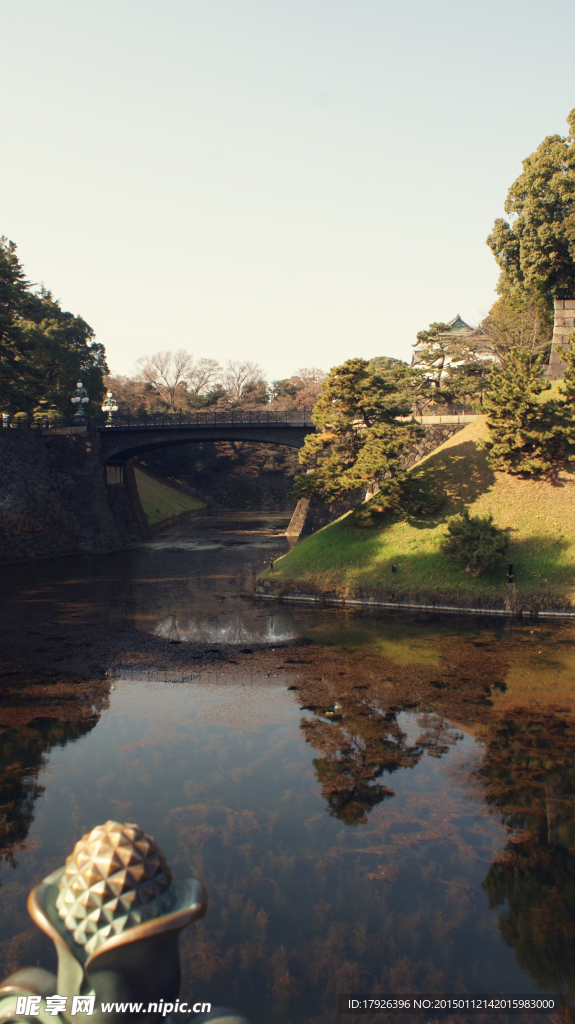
(360, 441)
(475, 542)
(44, 350)
(529, 437)
(536, 248)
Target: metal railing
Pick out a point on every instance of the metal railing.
(443, 410)
(208, 418)
(223, 418)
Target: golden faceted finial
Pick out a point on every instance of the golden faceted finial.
(116, 877)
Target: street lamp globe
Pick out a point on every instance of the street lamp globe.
(80, 398)
(110, 406)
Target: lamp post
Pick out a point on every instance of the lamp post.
(110, 406)
(80, 398)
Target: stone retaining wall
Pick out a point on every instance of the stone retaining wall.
(54, 499)
(435, 434)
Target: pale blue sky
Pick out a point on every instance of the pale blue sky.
(290, 182)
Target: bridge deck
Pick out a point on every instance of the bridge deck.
(238, 417)
(126, 436)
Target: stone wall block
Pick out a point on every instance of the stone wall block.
(53, 498)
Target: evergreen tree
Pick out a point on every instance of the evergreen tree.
(20, 380)
(433, 357)
(527, 437)
(453, 368)
(536, 248)
(44, 350)
(360, 441)
(475, 542)
(567, 387)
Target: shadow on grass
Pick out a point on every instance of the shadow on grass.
(462, 472)
(456, 478)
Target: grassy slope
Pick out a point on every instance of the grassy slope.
(540, 518)
(160, 500)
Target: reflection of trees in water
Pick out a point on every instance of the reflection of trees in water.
(359, 747)
(529, 776)
(22, 756)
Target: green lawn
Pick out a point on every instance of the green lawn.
(159, 500)
(540, 518)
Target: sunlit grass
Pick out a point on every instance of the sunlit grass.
(539, 516)
(159, 500)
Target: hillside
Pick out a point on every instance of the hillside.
(160, 501)
(540, 517)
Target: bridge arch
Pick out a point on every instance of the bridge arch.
(124, 441)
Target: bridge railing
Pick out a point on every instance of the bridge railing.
(208, 418)
(438, 409)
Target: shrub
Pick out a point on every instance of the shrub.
(47, 412)
(475, 542)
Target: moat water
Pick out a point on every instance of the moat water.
(419, 839)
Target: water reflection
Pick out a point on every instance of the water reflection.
(385, 804)
(23, 753)
(235, 779)
(360, 745)
(529, 779)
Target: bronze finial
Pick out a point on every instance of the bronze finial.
(114, 913)
(116, 877)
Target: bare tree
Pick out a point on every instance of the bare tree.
(166, 373)
(203, 376)
(130, 394)
(238, 377)
(311, 376)
(515, 323)
(311, 380)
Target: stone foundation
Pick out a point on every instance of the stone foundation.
(435, 434)
(54, 499)
(563, 324)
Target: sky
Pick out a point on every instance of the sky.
(295, 183)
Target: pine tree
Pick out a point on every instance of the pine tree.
(360, 442)
(527, 437)
(44, 350)
(475, 542)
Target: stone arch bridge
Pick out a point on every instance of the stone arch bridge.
(128, 437)
(59, 488)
